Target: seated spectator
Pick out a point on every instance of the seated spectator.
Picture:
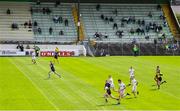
(122, 24)
(143, 22)
(21, 48)
(98, 7)
(25, 24)
(60, 19)
(147, 37)
(125, 19)
(31, 10)
(162, 17)
(163, 35)
(160, 27)
(106, 20)
(56, 19)
(14, 26)
(139, 22)
(150, 14)
(27, 47)
(147, 28)
(18, 46)
(119, 33)
(48, 11)
(133, 19)
(8, 11)
(158, 7)
(138, 30)
(134, 41)
(105, 35)
(35, 24)
(66, 22)
(50, 30)
(39, 30)
(30, 24)
(164, 23)
(44, 10)
(97, 35)
(115, 12)
(111, 19)
(102, 16)
(142, 31)
(132, 31)
(115, 26)
(57, 2)
(61, 32)
(155, 41)
(38, 2)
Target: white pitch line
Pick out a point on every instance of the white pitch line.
(36, 88)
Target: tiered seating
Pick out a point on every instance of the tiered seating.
(19, 14)
(93, 22)
(45, 21)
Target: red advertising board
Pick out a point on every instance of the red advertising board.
(61, 53)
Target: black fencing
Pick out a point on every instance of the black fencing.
(144, 49)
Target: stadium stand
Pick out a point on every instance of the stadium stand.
(45, 21)
(19, 14)
(93, 22)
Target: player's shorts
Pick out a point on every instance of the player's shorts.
(112, 85)
(53, 70)
(131, 77)
(56, 56)
(121, 91)
(108, 91)
(159, 78)
(33, 57)
(134, 88)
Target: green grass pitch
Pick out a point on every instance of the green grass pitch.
(23, 86)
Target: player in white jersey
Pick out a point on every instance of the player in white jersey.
(111, 82)
(131, 73)
(122, 88)
(33, 57)
(134, 87)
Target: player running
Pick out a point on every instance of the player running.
(158, 77)
(121, 90)
(107, 94)
(134, 87)
(131, 73)
(33, 57)
(111, 82)
(52, 70)
(56, 55)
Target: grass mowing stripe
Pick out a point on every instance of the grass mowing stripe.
(84, 77)
(20, 69)
(49, 86)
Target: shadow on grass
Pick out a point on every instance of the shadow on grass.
(108, 104)
(153, 89)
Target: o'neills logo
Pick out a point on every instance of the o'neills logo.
(7, 52)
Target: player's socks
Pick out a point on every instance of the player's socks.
(59, 75)
(137, 92)
(128, 94)
(128, 84)
(106, 100)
